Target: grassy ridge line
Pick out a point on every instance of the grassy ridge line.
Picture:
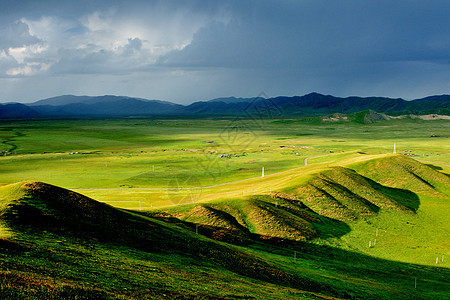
(41, 207)
(337, 193)
(300, 269)
(413, 238)
(339, 206)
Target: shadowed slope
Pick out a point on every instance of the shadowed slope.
(32, 207)
(343, 194)
(401, 172)
(259, 217)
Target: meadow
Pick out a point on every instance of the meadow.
(171, 170)
(143, 153)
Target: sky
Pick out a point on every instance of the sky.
(185, 51)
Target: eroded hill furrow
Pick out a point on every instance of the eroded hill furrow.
(361, 186)
(406, 174)
(343, 194)
(217, 224)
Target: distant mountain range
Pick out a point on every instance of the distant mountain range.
(313, 104)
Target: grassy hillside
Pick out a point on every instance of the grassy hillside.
(347, 207)
(40, 216)
(62, 244)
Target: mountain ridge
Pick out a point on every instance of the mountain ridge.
(313, 104)
(70, 99)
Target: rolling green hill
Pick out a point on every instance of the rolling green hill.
(328, 203)
(41, 214)
(287, 244)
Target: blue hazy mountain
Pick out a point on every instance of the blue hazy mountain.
(107, 105)
(313, 104)
(17, 111)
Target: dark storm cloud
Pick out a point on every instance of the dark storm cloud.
(322, 33)
(218, 48)
(17, 34)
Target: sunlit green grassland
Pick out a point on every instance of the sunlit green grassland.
(147, 153)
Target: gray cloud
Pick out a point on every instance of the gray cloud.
(16, 35)
(322, 34)
(184, 51)
(134, 45)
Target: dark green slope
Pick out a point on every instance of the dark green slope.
(41, 211)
